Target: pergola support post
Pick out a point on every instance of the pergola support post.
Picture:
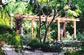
(75, 29)
(58, 22)
(32, 28)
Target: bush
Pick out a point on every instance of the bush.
(71, 52)
(45, 47)
(17, 41)
(2, 52)
(9, 36)
(56, 47)
(80, 36)
(6, 33)
(68, 36)
(74, 52)
(34, 43)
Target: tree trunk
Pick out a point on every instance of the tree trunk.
(19, 20)
(45, 35)
(40, 28)
(55, 15)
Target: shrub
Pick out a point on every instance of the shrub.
(56, 47)
(6, 33)
(4, 16)
(80, 36)
(71, 52)
(34, 43)
(68, 36)
(45, 47)
(17, 41)
(2, 52)
(74, 52)
(9, 36)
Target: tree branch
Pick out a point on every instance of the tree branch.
(55, 15)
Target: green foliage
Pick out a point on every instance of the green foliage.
(27, 29)
(2, 52)
(79, 3)
(17, 41)
(9, 36)
(4, 17)
(53, 2)
(42, 1)
(66, 8)
(46, 47)
(4, 30)
(71, 52)
(34, 43)
(80, 36)
(74, 52)
(73, 13)
(47, 10)
(68, 36)
(18, 7)
(11, 1)
(54, 31)
(6, 34)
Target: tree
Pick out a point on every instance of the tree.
(80, 4)
(59, 6)
(55, 8)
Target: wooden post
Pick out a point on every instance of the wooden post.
(58, 22)
(75, 29)
(32, 27)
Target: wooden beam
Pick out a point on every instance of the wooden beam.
(67, 19)
(58, 22)
(62, 19)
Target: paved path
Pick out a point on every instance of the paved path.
(10, 51)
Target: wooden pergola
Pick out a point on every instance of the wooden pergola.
(58, 20)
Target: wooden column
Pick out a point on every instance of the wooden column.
(75, 29)
(32, 27)
(58, 22)
(32, 31)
